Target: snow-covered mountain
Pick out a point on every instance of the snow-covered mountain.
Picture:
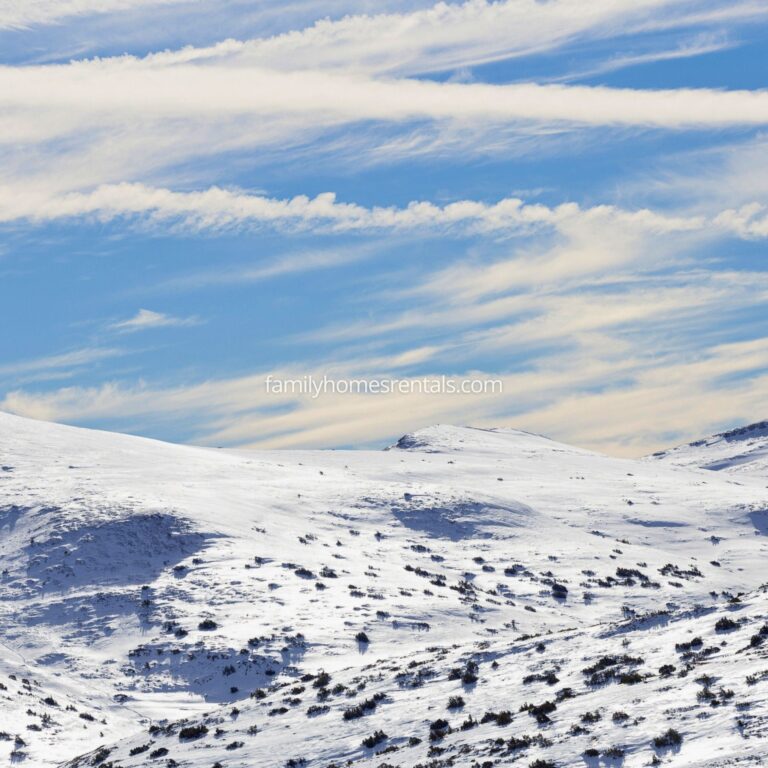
(743, 450)
(466, 598)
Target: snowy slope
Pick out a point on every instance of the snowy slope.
(144, 583)
(739, 451)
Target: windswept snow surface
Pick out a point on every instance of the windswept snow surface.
(466, 598)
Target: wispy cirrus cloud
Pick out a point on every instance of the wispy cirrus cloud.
(145, 319)
(19, 15)
(88, 123)
(66, 360)
(106, 120)
(294, 263)
(456, 36)
(697, 45)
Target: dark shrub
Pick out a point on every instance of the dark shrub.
(363, 708)
(726, 624)
(560, 591)
(515, 743)
(374, 740)
(504, 718)
(321, 680)
(669, 739)
(469, 676)
(540, 711)
(438, 729)
(192, 732)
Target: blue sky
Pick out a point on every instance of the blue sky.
(570, 197)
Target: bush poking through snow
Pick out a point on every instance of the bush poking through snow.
(189, 732)
(207, 625)
(670, 738)
(726, 624)
(374, 740)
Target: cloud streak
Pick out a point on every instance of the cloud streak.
(145, 319)
(218, 209)
(112, 91)
(72, 359)
(459, 35)
(27, 13)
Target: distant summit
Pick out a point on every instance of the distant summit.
(443, 438)
(741, 449)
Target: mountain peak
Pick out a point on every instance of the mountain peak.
(741, 449)
(448, 437)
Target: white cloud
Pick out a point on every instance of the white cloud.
(733, 174)
(108, 120)
(18, 14)
(146, 318)
(72, 359)
(699, 45)
(217, 208)
(459, 35)
(681, 398)
(128, 91)
(76, 126)
(299, 262)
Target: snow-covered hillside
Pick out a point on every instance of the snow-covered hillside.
(741, 451)
(466, 598)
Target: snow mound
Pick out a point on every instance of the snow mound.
(443, 438)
